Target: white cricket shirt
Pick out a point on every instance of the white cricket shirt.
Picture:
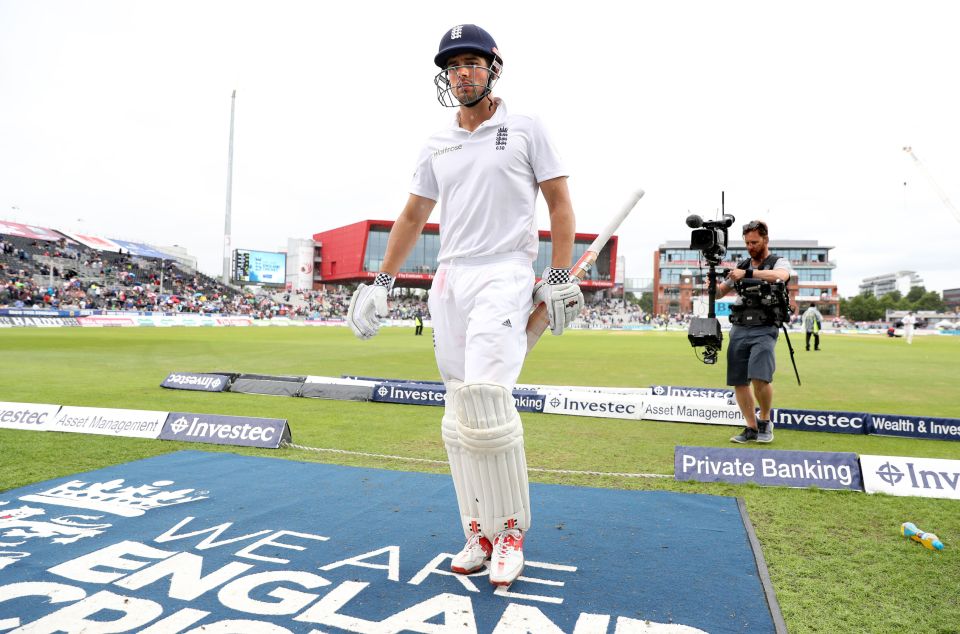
(486, 182)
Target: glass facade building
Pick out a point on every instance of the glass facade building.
(680, 274)
(355, 253)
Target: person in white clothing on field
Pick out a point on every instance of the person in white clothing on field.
(908, 323)
(485, 169)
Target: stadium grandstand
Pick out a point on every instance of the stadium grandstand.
(43, 268)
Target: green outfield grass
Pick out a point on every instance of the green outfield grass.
(836, 559)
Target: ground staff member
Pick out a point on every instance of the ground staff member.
(485, 170)
(753, 338)
(812, 322)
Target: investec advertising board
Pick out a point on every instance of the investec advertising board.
(917, 477)
(682, 390)
(915, 426)
(28, 416)
(436, 394)
(133, 423)
(226, 430)
(814, 420)
(692, 409)
(195, 381)
(825, 470)
(595, 404)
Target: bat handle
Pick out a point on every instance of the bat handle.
(537, 324)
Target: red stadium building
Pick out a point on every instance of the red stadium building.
(354, 253)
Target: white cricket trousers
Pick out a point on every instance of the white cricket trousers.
(479, 308)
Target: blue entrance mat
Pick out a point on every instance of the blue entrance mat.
(213, 542)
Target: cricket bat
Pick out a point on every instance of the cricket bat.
(538, 322)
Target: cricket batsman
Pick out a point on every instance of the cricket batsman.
(485, 169)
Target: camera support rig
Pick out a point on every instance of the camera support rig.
(710, 238)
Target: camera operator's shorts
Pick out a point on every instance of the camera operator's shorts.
(751, 354)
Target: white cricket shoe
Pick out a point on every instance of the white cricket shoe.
(507, 561)
(476, 551)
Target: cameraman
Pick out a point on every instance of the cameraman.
(753, 337)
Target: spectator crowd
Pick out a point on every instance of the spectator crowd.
(68, 276)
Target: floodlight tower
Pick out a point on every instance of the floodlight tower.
(226, 221)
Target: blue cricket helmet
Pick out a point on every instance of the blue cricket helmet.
(466, 38)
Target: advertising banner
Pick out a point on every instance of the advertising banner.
(30, 232)
(816, 420)
(435, 394)
(30, 416)
(595, 404)
(680, 390)
(140, 249)
(133, 423)
(916, 477)
(98, 243)
(410, 393)
(335, 380)
(914, 427)
(99, 321)
(38, 322)
(226, 430)
(233, 321)
(798, 469)
(635, 391)
(692, 409)
(197, 382)
(42, 312)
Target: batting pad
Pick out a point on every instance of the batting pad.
(462, 480)
(492, 438)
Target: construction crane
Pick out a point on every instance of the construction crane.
(940, 192)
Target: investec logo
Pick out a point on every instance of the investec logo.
(706, 392)
(825, 419)
(609, 407)
(410, 394)
(194, 427)
(210, 382)
(918, 478)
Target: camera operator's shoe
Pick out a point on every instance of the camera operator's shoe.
(749, 434)
(764, 431)
(507, 562)
(476, 551)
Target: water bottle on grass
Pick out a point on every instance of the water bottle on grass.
(929, 540)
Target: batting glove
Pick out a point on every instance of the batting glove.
(562, 295)
(368, 305)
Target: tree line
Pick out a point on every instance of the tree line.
(868, 307)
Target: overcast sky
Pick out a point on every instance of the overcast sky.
(114, 118)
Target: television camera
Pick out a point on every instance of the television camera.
(710, 238)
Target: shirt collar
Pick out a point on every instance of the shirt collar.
(498, 117)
